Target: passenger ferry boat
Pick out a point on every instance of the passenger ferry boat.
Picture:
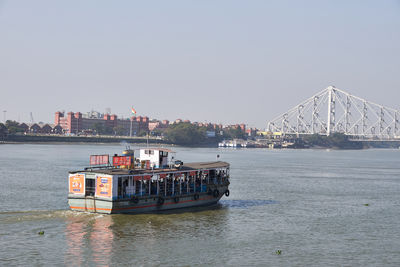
(153, 182)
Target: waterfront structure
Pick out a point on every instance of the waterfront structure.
(35, 128)
(336, 111)
(25, 127)
(151, 183)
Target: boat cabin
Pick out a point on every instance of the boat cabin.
(158, 157)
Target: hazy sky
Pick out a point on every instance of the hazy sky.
(219, 61)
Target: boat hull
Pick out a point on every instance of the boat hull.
(149, 204)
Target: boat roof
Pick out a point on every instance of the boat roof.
(206, 165)
(186, 167)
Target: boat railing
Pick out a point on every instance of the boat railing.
(90, 168)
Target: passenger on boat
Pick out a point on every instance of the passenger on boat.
(124, 186)
(153, 187)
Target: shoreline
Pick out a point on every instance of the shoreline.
(59, 139)
(78, 139)
(103, 140)
(159, 144)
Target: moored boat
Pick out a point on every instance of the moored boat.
(150, 183)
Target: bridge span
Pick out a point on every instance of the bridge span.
(336, 111)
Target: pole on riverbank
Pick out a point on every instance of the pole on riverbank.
(130, 132)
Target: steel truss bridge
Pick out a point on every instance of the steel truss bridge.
(336, 111)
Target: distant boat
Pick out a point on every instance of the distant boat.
(236, 143)
(222, 144)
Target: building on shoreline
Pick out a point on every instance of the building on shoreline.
(77, 122)
(94, 122)
(158, 125)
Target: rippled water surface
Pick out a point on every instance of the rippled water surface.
(319, 207)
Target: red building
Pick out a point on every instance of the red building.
(143, 124)
(76, 123)
(158, 125)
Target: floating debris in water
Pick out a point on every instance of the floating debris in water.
(278, 252)
(366, 204)
(41, 233)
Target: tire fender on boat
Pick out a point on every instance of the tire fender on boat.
(135, 200)
(227, 192)
(216, 193)
(160, 201)
(176, 199)
(196, 196)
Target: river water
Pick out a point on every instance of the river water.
(318, 207)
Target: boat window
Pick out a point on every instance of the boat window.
(119, 186)
(90, 187)
(149, 152)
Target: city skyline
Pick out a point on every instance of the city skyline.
(89, 114)
(224, 62)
